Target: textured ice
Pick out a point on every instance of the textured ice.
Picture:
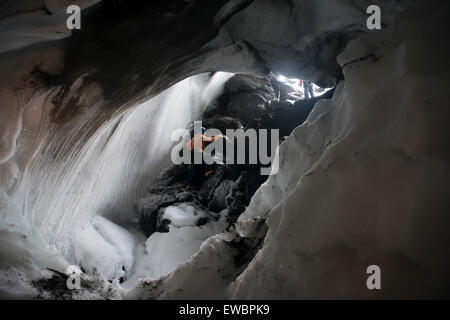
(101, 179)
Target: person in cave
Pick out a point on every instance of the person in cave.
(197, 145)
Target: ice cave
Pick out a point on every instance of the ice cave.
(89, 191)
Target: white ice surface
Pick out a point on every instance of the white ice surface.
(182, 215)
(105, 247)
(164, 252)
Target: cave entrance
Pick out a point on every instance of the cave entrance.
(175, 219)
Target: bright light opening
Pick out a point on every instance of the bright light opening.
(298, 86)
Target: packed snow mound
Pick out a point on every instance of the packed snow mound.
(208, 273)
(104, 247)
(162, 253)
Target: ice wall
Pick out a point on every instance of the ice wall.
(69, 207)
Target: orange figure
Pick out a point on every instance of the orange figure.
(197, 145)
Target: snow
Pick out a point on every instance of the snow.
(104, 247)
(164, 252)
(183, 215)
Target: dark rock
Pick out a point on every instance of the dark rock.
(286, 116)
(171, 174)
(245, 248)
(218, 106)
(222, 123)
(242, 191)
(202, 221)
(210, 184)
(162, 225)
(236, 199)
(148, 208)
(185, 197)
(56, 284)
(250, 84)
(247, 106)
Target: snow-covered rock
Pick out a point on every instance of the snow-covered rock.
(162, 253)
(183, 215)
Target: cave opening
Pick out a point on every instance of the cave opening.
(302, 89)
(176, 220)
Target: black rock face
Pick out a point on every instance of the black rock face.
(149, 209)
(247, 102)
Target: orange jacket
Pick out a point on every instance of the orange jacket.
(198, 142)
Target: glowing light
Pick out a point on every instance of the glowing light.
(297, 85)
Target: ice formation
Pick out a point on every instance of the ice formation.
(99, 185)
